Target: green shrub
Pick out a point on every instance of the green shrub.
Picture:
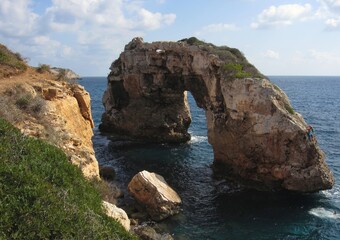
(11, 59)
(43, 68)
(289, 108)
(62, 75)
(235, 63)
(235, 70)
(43, 196)
(23, 102)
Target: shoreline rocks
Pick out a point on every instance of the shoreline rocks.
(152, 191)
(117, 213)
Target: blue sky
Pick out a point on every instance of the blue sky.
(278, 37)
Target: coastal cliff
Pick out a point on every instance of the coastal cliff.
(45, 125)
(55, 111)
(256, 135)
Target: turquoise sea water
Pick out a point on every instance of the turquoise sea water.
(214, 209)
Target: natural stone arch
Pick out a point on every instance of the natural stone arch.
(254, 132)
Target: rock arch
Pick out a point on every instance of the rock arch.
(254, 132)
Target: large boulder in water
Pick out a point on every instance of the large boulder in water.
(256, 135)
(152, 191)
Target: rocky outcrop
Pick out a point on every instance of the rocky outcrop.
(145, 232)
(107, 172)
(117, 213)
(255, 133)
(55, 111)
(68, 74)
(152, 191)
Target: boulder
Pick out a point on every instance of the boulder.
(118, 214)
(152, 191)
(256, 135)
(107, 172)
(148, 233)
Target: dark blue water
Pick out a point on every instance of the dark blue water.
(212, 208)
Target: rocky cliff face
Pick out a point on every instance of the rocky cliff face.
(55, 111)
(255, 134)
(68, 73)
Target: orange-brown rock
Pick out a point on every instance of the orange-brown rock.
(255, 134)
(56, 111)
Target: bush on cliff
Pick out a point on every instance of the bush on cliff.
(235, 63)
(13, 61)
(43, 196)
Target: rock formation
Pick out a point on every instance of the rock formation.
(117, 213)
(68, 73)
(255, 133)
(52, 110)
(152, 191)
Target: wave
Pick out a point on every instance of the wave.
(198, 139)
(324, 213)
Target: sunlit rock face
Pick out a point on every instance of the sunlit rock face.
(255, 134)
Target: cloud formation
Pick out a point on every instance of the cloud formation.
(282, 15)
(330, 11)
(17, 19)
(86, 28)
(216, 28)
(271, 54)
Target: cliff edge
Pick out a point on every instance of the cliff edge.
(254, 131)
(56, 111)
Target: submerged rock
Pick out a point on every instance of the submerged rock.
(107, 172)
(255, 133)
(152, 191)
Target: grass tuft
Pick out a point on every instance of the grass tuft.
(289, 108)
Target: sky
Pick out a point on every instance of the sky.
(278, 37)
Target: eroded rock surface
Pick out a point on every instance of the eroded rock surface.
(55, 111)
(255, 133)
(117, 213)
(152, 191)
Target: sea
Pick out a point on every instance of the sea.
(212, 207)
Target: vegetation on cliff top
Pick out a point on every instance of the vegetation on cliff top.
(43, 196)
(235, 64)
(12, 63)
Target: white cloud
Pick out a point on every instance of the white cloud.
(330, 11)
(85, 29)
(324, 57)
(152, 21)
(330, 5)
(216, 28)
(271, 54)
(16, 18)
(333, 23)
(317, 59)
(282, 15)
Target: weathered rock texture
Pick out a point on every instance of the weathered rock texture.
(152, 191)
(68, 73)
(117, 213)
(252, 127)
(55, 111)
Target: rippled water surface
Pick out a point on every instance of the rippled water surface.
(212, 208)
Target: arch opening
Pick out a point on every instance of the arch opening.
(251, 125)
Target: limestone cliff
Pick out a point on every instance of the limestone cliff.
(255, 134)
(56, 111)
(69, 74)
